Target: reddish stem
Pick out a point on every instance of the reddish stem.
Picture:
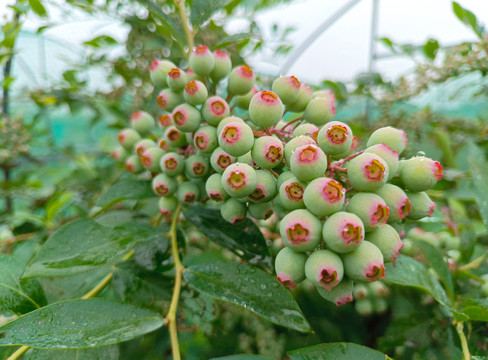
(292, 122)
(340, 162)
(273, 172)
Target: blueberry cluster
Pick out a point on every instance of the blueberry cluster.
(226, 144)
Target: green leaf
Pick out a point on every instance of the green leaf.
(125, 190)
(409, 272)
(244, 239)
(84, 245)
(343, 351)
(388, 43)
(56, 203)
(468, 18)
(76, 324)
(476, 309)
(102, 40)
(38, 8)
(437, 262)
(110, 352)
(18, 295)
(430, 48)
(232, 39)
(479, 172)
(249, 287)
(242, 357)
(202, 10)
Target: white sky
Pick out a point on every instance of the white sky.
(338, 54)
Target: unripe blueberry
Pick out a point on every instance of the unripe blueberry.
(378, 288)
(164, 185)
(151, 157)
(219, 160)
(349, 151)
(261, 210)
(421, 205)
(265, 187)
(188, 192)
(128, 138)
(380, 305)
(168, 99)
(247, 159)
(364, 263)
(227, 120)
(267, 152)
(236, 138)
(367, 172)
(343, 232)
(197, 166)
(390, 157)
(386, 239)
(158, 72)
(195, 92)
(304, 97)
(172, 164)
(287, 88)
(205, 139)
(420, 173)
(167, 206)
(192, 76)
(308, 162)
(396, 200)
(291, 194)
(360, 291)
(223, 65)
(142, 122)
(143, 145)
(243, 101)
(300, 230)
(176, 79)
(174, 137)
(324, 196)
(370, 208)
(364, 307)
(265, 109)
(240, 80)
(339, 294)
(214, 110)
(408, 248)
(327, 93)
(133, 164)
(306, 129)
(324, 269)
(285, 175)
(214, 188)
(165, 120)
(202, 61)
(449, 242)
(294, 143)
(335, 138)
(120, 154)
(319, 111)
(239, 180)
(290, 267)
(233, 211)
(396, 139)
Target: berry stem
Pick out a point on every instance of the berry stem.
(18, 238)
(184, 20)
(292, 122)
(275, 174)
(464, 342)
(171, 316)
(20, 351)
(350, 157)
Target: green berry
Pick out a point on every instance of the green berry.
(174, 137)
(395, 139)
(335, 138)
(202, 61)
(396, 200)
(219, 160)
(233, 211)
(380, 305)
(304, 97)
(420, 205)
(420, 173)
(291, 194)
(360, 290)
(287, 88)
(290, 267)
(197, 166)
(158, 72)
(390, 157)
(319, 111)
(239, 180)
(343, 232)
(128, 138)
(367, 172)
(324, 269)
(261, 211)
(165, 120)
(364, 307)
(120, 154)
(300, 230)
(310, 130)
(370, 208)
(227, 120)
(214, 110)
(186, 118)
(265, 187)
(143, 145)
(267, 152)
(151, 157)
(167, 206)
(240, 80)
(364, 263)
(205, 139)
(223, 65)
(172, 164)
(133, 164)
(243, 101)
(265, 109)
(386, 239)
(168, 99)
(339, 294)
(188, 192)
(195, 92)
(214, 188)
(164, 185)
(142, 122)
(308, 162)
(176, 79)
(285, 175)
(236, 138)
(325, 94)
(379, 289)
(324, 196)
(294, 143)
